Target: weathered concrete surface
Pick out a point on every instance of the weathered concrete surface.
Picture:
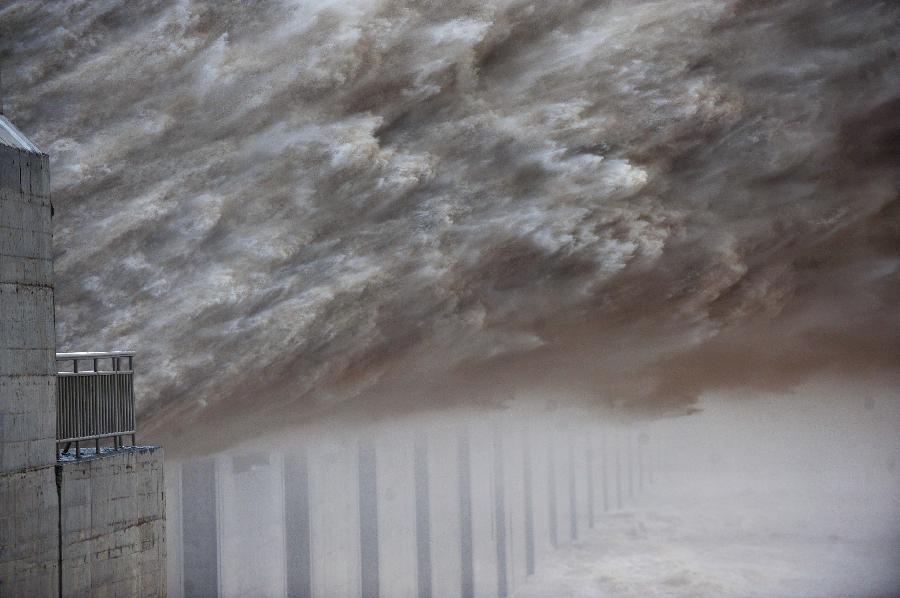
(200, 529)
(28, 533)
(28, 499)
(113, 540)
(27, 338)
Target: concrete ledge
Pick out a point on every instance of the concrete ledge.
(90, 453)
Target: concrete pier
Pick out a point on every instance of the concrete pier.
(400, 510)
(200, 529)
(113, 537)
(297, 524)
(528, 496)
(368, 520)
(423, 517)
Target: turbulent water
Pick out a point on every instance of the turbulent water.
(754, 501)
(379, 206)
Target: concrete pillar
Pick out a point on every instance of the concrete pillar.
(174, 538)
(368, 520)
(618, 443)
(540, 460)
(573, 496)
(552, 511)
(200, 529)
(589, 477)
(467, 578)
(297, 524)
(423, 518)
(604, 466)
(528, 495)
(500, 513)
(659, 453)
(629, 452)
(640, 464)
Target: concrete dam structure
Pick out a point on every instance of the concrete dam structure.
(448, 507)
(82, 522)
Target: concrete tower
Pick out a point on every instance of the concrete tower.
(29, 513)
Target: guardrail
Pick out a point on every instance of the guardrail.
(93, 402)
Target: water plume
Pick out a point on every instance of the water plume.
(385, 206)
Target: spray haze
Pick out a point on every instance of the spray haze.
(374, 207)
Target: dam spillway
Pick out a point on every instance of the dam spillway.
(453, 509)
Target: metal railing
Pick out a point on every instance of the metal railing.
(93, 402)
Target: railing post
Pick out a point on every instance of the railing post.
(117, 404)
(96, 414)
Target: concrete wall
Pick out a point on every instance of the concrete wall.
(28, 500)
(28, 533)
(27, 336)
(113, 526)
